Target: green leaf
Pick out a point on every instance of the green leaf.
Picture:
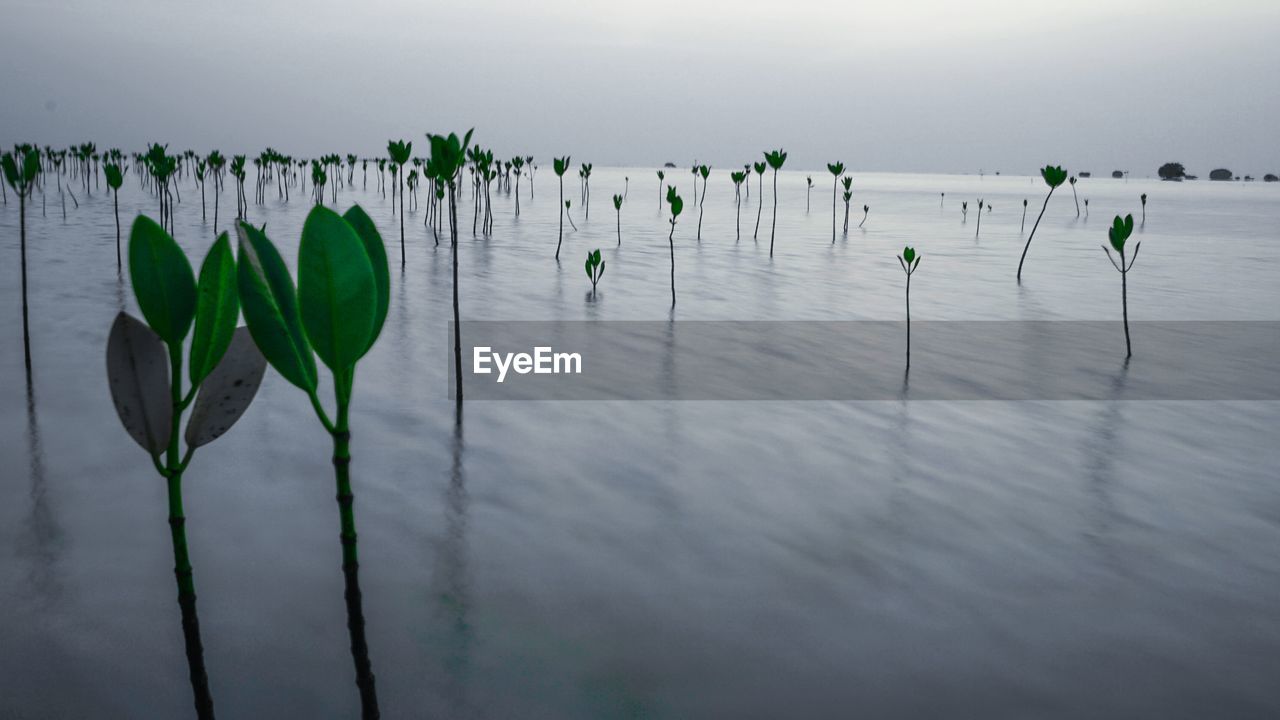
(271, 308)
(138, 375)
(162, 280)
(908, 254)
(228, 390)
(31, 166)
(217, 309)
(11, 171)
(595, 257)
(336, 289)
(360, 221)
(589, 267)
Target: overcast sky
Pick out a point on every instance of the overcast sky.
(909, 85)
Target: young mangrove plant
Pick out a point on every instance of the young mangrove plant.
(1144, 211)
(866, 210)
(595, 269)
(1053, 177)
(847, 182)
(737, 178)
(617, 206)
(399, 151)
(942, 200)
(1119, 233)
(808, 190)
(836, 169)
(1024, 215)
(759, 168)
(115, 178)
(560, 165)
(1086, 208)
(1074, 196)
(964, 212)
(144, 372)
(977, 232)
(570, 215)
(336, 313)
(517, 163)
(704, 171)
(216, 164)
(909, 261)
(775, 160)
(20, 170)
(448, 155)
(661, 177)
(677, 205)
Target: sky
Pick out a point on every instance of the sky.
(908, 85)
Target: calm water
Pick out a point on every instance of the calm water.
(667, 559)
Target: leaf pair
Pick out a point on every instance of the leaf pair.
(1120, 231)
(617, 202)
(775, 159)
(19, 178)
(594, 263)
(449, 154)
(1053, 175)
(399, 150)
(223, 361)
(341, 300)
(561, 164)
(836, 169)
(676, 202)
(115, 178)
(909, 260)
(759, 168)
(738, 177)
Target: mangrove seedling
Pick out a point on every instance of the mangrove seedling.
(448, 155)
(977, 232)
(759, 168)
(560, 165)
(1053, 177)
(909, 261)
(775, 160)
(866, 210)
(617, 205)
(144, 372)
(942, 200)
(836, 170)
(399, 151)
(336, 313)
(1074, 196)
(595, 268)
(964, 212)
(808, 190)
(737, 178)
(847, 182)
(704, 171)
(677, 205)
(115, 178)
(20, 173)
(1086, 208)
(1024, 215)
(1119, 233)
(1144, 211)
(570, 216)
(661, 177)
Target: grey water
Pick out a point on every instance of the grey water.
(667, 559)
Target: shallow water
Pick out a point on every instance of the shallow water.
(667, 559)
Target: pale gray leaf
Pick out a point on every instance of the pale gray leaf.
(138, 375)
(227, 392)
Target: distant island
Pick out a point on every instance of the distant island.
(1220, 174)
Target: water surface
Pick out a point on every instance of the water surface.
(667, 559)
